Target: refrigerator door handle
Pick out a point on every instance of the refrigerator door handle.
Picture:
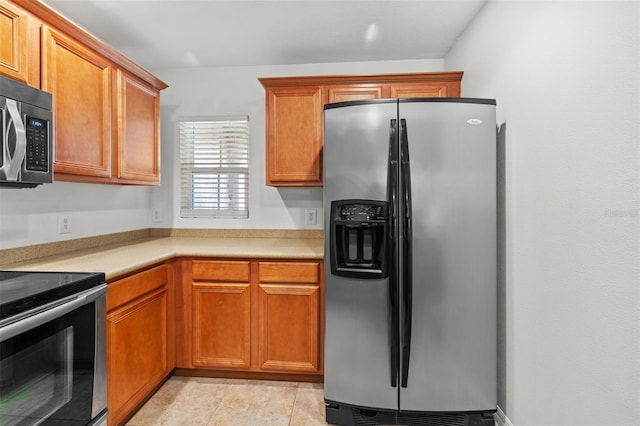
(407, 253)
(392, 218)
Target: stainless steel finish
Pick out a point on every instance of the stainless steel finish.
(13, 162)
(25, 93)
(356, 338)
(39, 316)
(100, 420)
(24, 322)
(17, 102)
(452, 150)
(68, 368)
(453, 166)
(100, 361)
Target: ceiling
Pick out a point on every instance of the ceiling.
(212, 33)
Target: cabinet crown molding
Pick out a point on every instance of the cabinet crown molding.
(324, 80)
(54, 19)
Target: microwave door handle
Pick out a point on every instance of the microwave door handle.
(16, 160)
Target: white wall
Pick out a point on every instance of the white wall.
(30, 216)
(566, 77)
(237, 91)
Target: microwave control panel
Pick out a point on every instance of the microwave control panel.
(37, 155)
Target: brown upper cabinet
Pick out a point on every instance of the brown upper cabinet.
(18, 32)
(106, 108)
(294, 108)
(294, 135)
(80, 82)
(138, 117)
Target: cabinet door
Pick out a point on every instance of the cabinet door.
(138, 121)
(294, 136)
(222, 325)
(80, 81)
(289, 327)
(424, 89)
(290, 316)
(137, 357)
(220, 318)
(355, 92)
(19, 46)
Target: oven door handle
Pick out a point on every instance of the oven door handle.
(43, 316)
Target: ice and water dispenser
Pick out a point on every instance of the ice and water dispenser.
(359, 238)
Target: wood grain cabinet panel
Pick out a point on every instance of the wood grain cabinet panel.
(224, 271)
(290, 316)
(13, 49)
(221, 314)
(289, 327)
(222, 325)
(106, 108)
(294, 114)
(80, 81)
(291, 272)
(254, 316)
(356, 92)
(137, 356)
(424, 90)
(19, 44)
(140, 338)
(138, 130)
(294, 136)
(130, 288)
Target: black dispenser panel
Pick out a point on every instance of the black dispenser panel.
(359, 234)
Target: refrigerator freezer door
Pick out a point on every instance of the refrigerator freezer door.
(357, 337)
(453, 343)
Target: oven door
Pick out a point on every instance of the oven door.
(53, 363)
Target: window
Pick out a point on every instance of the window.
(214, 168)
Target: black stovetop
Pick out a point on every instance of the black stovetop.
(21, 291)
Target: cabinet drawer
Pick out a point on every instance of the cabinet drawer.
(213, 270)
(289, 272)
(127, 289)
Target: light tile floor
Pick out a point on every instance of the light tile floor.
(216, 402)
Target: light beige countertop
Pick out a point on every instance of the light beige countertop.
(120, 259)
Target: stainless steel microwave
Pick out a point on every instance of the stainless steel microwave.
(26, 121)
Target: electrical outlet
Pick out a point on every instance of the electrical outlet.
(156, 215)
(310, 217)
(64, 224)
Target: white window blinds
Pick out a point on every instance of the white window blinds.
(214, 168)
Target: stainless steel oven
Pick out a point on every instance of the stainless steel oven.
(52, 348)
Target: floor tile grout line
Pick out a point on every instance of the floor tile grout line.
(220, 403)
(293, 406)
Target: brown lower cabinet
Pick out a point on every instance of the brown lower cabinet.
(289, 316)
(252, 318)
(252, 315)
(140, 339)
(221, 314)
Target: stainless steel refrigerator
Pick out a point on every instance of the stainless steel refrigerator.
(410, 255)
